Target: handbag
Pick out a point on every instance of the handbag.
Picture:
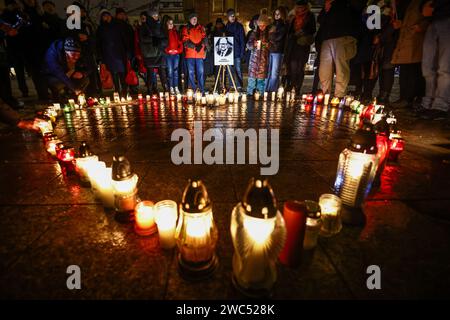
(131, 78)
(106, 77)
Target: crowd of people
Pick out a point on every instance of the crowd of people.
(112, 53)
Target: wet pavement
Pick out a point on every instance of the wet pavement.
(49, 221)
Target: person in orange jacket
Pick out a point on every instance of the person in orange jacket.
(194, 40)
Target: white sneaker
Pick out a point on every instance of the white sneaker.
(172, 91)
(177, 91)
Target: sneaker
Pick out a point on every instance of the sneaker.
(434, 114)
(177, 91)
(172, 91)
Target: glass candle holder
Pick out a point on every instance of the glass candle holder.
(144, 218)
(330, 206)
(313, 225)
(166, 215)
(124, 183)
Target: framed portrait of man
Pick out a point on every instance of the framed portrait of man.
(223, 51)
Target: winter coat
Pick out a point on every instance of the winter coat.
(128, 31)
(409, 45)
(88, 47)
(112, 46)
(55, 64)
(236, 30)
(152, 42)
(259, 58)
(277, 36)
(294, 48)
(54, 27)
(174, 42)
(194, 41)
(340, 21)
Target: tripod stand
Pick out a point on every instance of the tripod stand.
(221, 73)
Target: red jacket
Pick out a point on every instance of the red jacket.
(175, 45)
(194, 38)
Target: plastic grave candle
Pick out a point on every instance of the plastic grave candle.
(280, 93)
(116, 97)
(71, 103)
(294, 214)
(256, 95)
(45, 125)
(86, 162)
(397, 144)
(108, 101)
(66, 159)
(293, 93)
(196, 233)
(222, 99)
(144, 218)
(190, 95)
(273, 96)
(50, 144)
(354, 105)
(335, 102)
(326, 99)
(203, 101)
(161, 96)
(313, 225)
(258, 232)
(154, 97)
(101, 184)
(179, 97)
(236, 97)
(310, 98)
(265, 96)
(230, 97)
(82, 100)
(166, 215)
(129, 98)
(356, 168)
(140, 98)
(244, 98)
(330, 207)
(348, 100)
(319, 97)
(198, 96)
(210, 99)
(288, 97)
(124, 183)
(304, 96)
(148, 98)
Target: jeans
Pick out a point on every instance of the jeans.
(274, 69)
(172, 69)
(258, 84)
(237, 74)
(196, 66)
(436, 66)
(336, 54)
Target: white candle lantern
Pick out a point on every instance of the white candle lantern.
(257, 95)
(196, 233)
(357, 167)
(258, 232)
(327, 99)
(244, 98)
(166, 215)
(273, 95)
(85, 162)
(280, 93)
(190, 95)
(266, 95)
(124, 183)
(116, 97)
(330, 207)
(101, 184)
(210, 99)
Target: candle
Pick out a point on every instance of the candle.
(222, 99)
(294, 214)
(236, 97)
(50, 144)
(313, 225)
(124, 183)
(327, 99)
(330, 206)
(140, 98)
(166, 216)
(81, 100)
(273, 96)
(266, 94)
(116, 97)
(86, 162)
(280, 93)
(309, 98)
(190, 95)
(288, 97)
(144, 218)
(204, 101)
(257, 94)
(101, 184)
(320, 97)
(71, 103)
(148, 98)
(57, 106)
(348, 101)
(129, 98)
(161, 96)
(304, 96)
(230, 97)
(335, 101)
(178, 97)
(210, 99)
(122, 100)
(108, 100)
(244, 98)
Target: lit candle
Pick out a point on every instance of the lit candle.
(257, 95)
(81, 100)
(288, 97)
(327, 99)
(244, 98)
(124, 182)
(140, 98)
(348, 101)
(330, 206)
(190, 95)
(161, 96)
(144, 218)
(320, 97)
(57, 106)
(335, 101)
(280, 93)
(236, 97)
(108, 100)
(72, 103)
(273, 96)
(50, 144)
(129, 98)
(266, 94)
(122, 100)
(210, 98)
(222, 99)
(178, 97)
(204, 101)
(86, 162)
(231, 98)
(101, 184)
(294, 213)
(148, 98)
(309, 98)
(166, 216)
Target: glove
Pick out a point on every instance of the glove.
(190, 45)
(198, 47)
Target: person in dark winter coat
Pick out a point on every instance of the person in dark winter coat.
(153, 41)
(300, 37)
(235, 29)
(258, 43)
(62, 68)
(112, 50)
(252, 26)
(277, 41)
(52, 23)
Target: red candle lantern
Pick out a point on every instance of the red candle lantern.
(366, 114)
(294, 213)
(140, 98)
(320, 97)
(66, 158)
(154, 97)
(397, 145)
(309, 98)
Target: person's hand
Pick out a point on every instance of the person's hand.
(376, 40)
(32, 125)
(78, 92)
(427, 9)
(83, 37)
(397, 24)
(198, 47)
(77, 75)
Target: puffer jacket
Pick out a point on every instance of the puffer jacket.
(259, 58)
(277, 36)
(194, 41)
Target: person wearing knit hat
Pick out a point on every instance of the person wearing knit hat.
(258, 44)
(104, 12)
(64, 75)
(235, 29)
(153, 12)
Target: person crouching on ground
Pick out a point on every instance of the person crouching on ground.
(64, 75)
